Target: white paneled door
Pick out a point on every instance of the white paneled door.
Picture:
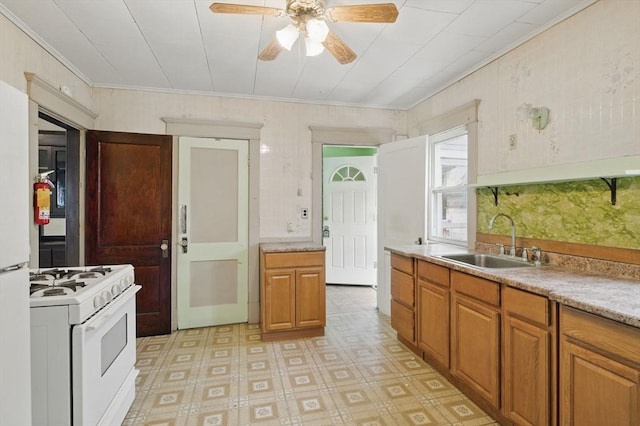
(349, 219)
(213, 236)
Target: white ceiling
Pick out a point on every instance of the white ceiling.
(181, 46)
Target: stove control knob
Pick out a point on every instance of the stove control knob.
(99, 301)
(116, 289)
(107, 296)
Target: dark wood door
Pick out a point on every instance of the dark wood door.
(128, 216)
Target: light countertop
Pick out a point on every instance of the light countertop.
(610, 297)
(291, 247)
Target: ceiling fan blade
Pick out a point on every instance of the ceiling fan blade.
(244, 9)
(271, 52)
(339, 49)
(383, 13)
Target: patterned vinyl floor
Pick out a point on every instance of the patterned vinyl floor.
(357, 374)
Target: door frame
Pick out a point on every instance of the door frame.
(177, 127)
(371, 174)
(47, 99)
(338, 136)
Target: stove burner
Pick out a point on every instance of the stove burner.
(36, 287)
(55, 273)
(54, 291)
(72, 284)
(38, 277)
(81, 274)
(100, 270)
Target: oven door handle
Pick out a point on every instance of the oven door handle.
(97, 320)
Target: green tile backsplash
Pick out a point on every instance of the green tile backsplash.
(576, 212)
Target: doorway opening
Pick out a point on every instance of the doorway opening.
(349, 214)
(59, 152)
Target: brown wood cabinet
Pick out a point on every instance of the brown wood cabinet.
(292, 288)
(529, 323)
(599, 370)
(475, 335)
(403, 298)
(432, 307)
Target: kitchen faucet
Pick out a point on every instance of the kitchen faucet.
(512, 251)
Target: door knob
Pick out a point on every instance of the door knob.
(165, 248)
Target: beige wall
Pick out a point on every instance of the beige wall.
(285, 139)
(586, 70)
(20, 54)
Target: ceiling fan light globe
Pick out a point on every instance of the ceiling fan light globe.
(287, 36)
(317, 30)
(314, 48)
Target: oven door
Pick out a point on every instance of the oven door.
(103, 361)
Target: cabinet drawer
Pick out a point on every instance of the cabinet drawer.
(402, 287)
(478, 288)
(402, 263)
(434, 273)
(530, 306)
(614, 337)
(402, 320)
(293, 259)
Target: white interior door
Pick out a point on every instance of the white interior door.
(401, 203)
(213, 224)
(349, 216)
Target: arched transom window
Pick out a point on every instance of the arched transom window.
(348, 174)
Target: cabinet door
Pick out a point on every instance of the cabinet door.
(596, 390)
(310, 297)
(279, 299)
(433, 321)
(475, 346)
(526, 372)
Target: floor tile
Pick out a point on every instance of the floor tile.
(357, 374)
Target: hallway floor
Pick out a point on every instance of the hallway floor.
(357, 374)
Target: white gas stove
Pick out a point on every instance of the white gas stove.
(83, 344)
(85, 289)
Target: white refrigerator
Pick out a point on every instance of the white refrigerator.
(15, 346)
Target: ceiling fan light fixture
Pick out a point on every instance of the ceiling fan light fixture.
(287, 36)
(317, 29)
(314, 48)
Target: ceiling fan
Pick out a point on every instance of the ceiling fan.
(310, 17)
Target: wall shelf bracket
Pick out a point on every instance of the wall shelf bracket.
(494, 191)
(612, 184)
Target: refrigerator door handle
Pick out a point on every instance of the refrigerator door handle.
(13, 267)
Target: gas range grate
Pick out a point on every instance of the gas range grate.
(56, 289)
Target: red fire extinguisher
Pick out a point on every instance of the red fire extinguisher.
(42, 198)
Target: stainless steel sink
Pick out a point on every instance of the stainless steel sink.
(488, 261)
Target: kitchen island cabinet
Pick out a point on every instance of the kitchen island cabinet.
(599, 370)
(292, 288)
(475, 335)
(529, 367)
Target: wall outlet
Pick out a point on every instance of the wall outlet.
(513, 141)
(304, 213)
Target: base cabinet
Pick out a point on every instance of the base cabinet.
(475, 335)
(293, 295)
(432, 307)
(528, 358)
(403, 298)
(525, 359)
(599, 371)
